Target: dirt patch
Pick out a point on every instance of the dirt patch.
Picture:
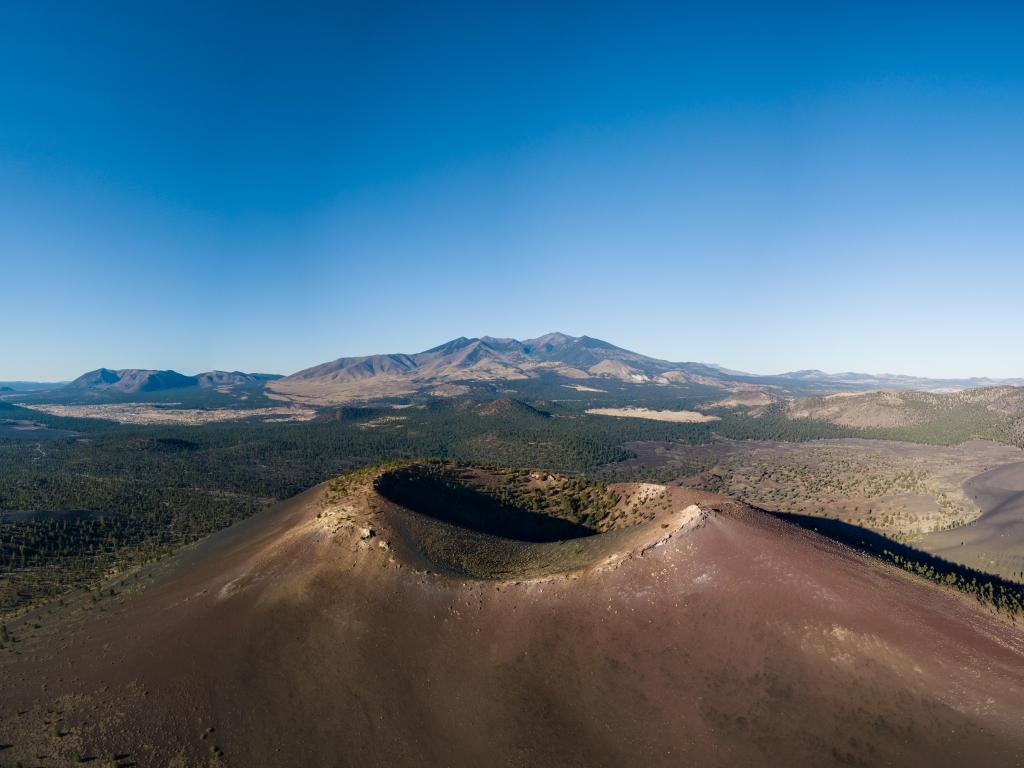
(15, 429)
(147, 413)
(743, 398)
(680, 417)
(383, 421)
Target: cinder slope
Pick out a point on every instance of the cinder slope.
(295, 638)
(994, 542)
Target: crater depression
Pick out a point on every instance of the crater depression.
(482, 522)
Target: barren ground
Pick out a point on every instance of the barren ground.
(994, 542)
(681, 417)
(298, 637)
(148, 413)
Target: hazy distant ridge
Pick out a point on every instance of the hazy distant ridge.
(133, 380)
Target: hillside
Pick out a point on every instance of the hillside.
(336, 630)
(993, 412)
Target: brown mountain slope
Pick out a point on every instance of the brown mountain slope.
(483, 359)
(307, 636)
(447, 369)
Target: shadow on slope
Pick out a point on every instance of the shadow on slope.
(1001, 594)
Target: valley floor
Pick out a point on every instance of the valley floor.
(932, 497)
(994, 542)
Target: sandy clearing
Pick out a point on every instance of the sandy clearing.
(147, 413)
(742, 398)
(679, 417)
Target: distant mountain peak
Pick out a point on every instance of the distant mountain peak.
(554, 339)
(136, 380)
(130, 380)
(450, 346)
(465, 359)
(232, 378)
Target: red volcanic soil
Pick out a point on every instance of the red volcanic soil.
(291, 640)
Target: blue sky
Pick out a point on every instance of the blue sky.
(266, 187)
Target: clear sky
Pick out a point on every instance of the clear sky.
(269, 186)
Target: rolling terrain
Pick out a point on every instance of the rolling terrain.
(992, 412)
(324, 632)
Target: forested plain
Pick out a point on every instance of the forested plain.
(77, 509)
(102, 499)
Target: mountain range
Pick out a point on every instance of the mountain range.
(458, 365)
(449, 368)
(463, 365)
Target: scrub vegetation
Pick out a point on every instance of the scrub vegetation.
(83, 500)
(79, 509)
